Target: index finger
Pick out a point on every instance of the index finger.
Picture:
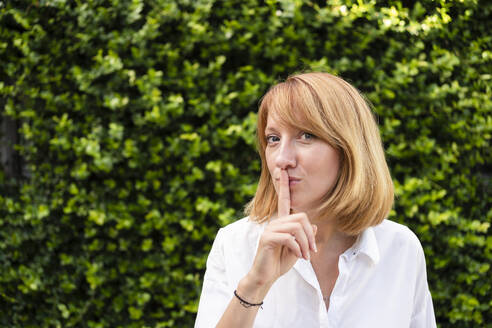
(283, 194)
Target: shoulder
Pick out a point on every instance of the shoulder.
(234, 249)
(244, 226)
(242, 232)
(395, 231)
(393, 236)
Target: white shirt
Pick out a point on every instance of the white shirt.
(382, 282)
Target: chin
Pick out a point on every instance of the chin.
(299, 206)
(297, 209)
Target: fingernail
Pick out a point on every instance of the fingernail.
(308, 257)
(315, 248)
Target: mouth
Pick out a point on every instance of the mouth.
(292, 181)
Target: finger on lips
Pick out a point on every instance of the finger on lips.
(302, 233)
(283, 194)
(297, 225)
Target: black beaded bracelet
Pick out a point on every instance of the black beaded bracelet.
(247, 304)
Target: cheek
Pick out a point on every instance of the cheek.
(270, 161)
(327, 163)
(272, 168)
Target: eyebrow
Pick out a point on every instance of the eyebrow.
(270, 129)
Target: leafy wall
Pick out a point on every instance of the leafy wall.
(136, 129)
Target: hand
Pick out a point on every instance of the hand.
(284, 240)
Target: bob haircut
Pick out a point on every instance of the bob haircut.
(334, 111)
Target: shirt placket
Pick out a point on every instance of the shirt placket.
(338, 292)
(330, 318)
(306, 271)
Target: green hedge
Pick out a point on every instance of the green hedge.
(136, 123)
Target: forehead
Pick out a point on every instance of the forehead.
(288, 115)
(276, 120)
(291, 103)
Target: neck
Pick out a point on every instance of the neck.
(328, 237)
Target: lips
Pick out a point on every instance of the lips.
(293, 181)
(290, 179)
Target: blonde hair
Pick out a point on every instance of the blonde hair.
(334, 111)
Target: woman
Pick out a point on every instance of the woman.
(316, 250)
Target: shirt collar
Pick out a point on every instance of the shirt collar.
(367, 244)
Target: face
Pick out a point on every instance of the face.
(311, 163)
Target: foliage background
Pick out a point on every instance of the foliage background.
(136, 131)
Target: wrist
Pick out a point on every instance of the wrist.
(253, 290)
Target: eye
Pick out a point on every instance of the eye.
(307, 136)
(270, 139)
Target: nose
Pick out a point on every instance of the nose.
(286, 156)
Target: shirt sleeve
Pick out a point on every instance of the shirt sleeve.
(423, 311)
(216, 293)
